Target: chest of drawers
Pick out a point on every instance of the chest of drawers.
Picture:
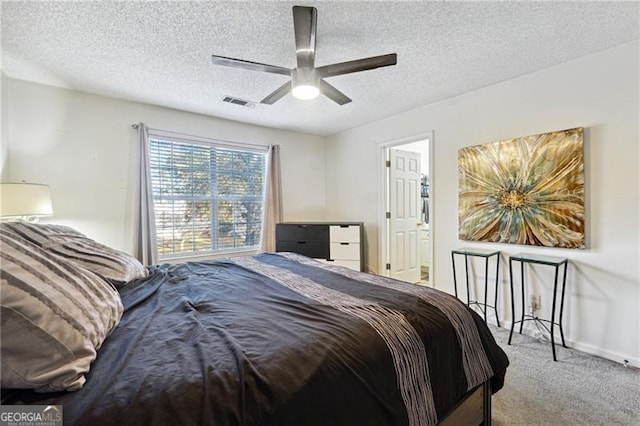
(339, 243)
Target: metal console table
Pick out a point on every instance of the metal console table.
(486, 254)
(535, 259)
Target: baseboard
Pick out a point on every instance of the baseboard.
(603, 353)
(583, 347)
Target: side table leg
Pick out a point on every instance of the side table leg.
(466, 269)
(486, 286)
(455, 282)
(522, 295)
(564, 282)
(553, 314)
(513, 306)
(495, 302)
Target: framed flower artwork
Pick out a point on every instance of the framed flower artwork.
(527, 190)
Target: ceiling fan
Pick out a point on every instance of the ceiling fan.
(307, 81)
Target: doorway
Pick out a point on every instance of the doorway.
(405, 213)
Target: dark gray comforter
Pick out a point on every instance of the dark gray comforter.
(281, 340)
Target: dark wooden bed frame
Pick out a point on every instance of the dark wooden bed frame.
(474, 409)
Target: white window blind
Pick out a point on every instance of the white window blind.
(207, 198)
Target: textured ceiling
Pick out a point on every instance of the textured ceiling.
(159, 52)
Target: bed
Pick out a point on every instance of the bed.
(271, 339)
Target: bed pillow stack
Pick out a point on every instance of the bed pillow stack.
(57, 304)
(111, 264)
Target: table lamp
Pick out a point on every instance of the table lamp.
(24, 201)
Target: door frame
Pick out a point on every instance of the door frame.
(383, 196)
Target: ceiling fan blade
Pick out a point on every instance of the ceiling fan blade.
(248, 65)
(277, 94)
(357, 65)
(305, 26)
(334, 94)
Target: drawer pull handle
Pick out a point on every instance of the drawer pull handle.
(302, 242)
(344, 244)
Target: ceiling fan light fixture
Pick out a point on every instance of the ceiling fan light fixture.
(305, 84)
(305, 92)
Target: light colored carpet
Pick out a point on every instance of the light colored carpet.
(579, 389)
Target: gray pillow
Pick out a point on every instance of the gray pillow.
(74, 246)
(55, 315)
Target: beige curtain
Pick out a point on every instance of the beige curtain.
(145, 247)
(272, 212)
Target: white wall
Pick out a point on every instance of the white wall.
(4, 144)
(83, 146)
(599, 92)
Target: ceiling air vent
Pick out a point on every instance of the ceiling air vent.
(238, 101)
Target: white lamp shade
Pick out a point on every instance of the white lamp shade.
(25, 199)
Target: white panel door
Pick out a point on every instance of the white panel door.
(404, 208)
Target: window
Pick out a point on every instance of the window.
(207, 198)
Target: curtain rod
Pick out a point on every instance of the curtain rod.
(202, 138)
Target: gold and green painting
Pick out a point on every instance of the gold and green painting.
(528, 190)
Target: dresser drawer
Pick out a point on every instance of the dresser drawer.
(351, 264)
(344, 233)
(316, 249)
(344, 251)
(301, 232)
